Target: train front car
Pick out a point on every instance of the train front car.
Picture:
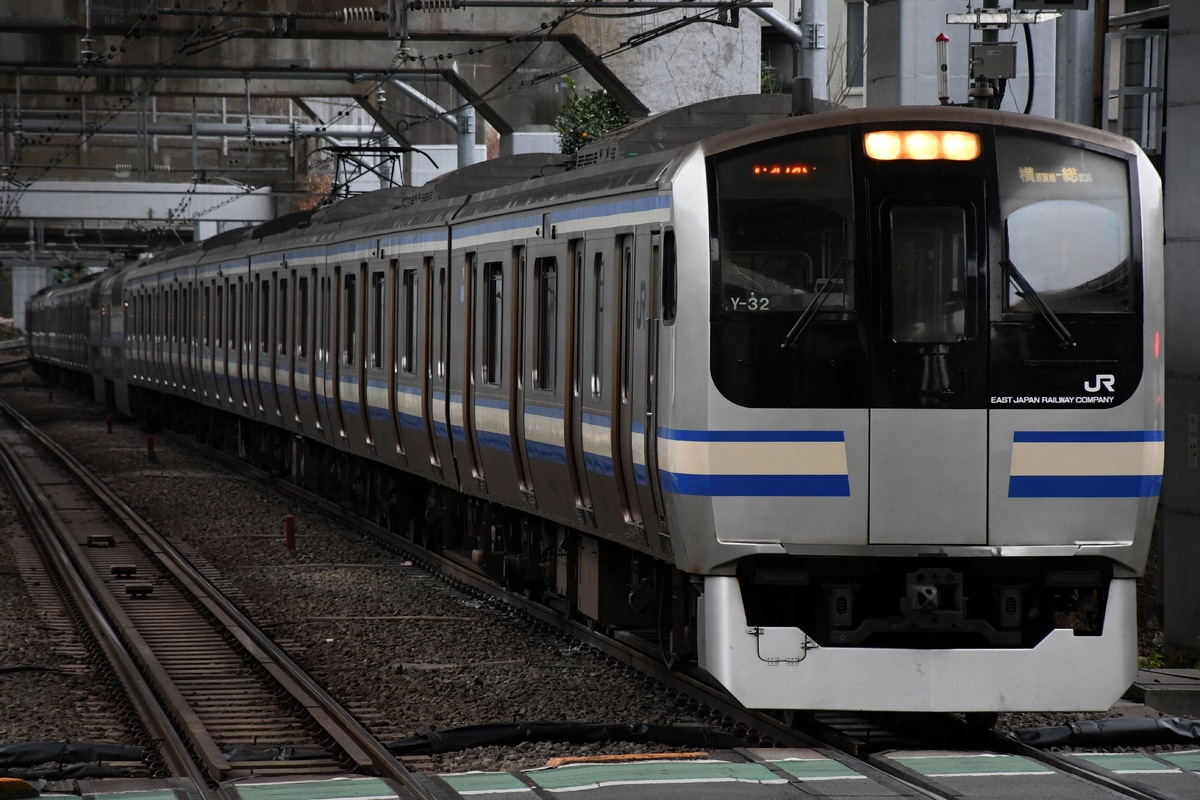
(921, 469)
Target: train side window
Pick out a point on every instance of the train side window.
(493, 272)
(174, 316)
(377, 298)
(408, 363)
(546, 322)
(442, 322)
(629, 319)
(282, 344)
(350, 284)
(245, 331)
(670, 283)
(1067, 226)
(302, 318)
(264, 316)
(784, 221)
(219, 318)
(231, 330)
(597, 325)
(206, 323)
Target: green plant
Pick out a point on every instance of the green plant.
(1152, 660)
(582, 119)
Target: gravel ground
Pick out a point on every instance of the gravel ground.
(406, 652)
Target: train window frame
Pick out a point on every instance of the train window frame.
(924, 329)
(206, 321)
(264, 312)
(349, 318)
(807, 177)
(408, 358)
(442, 314)
(231, 321)
(545, 329)
(219, 318)
(302, 301)
(670, 278)
(282, 317)
(493, 325)
(378, 284)
(597, 379)
(1024, 165)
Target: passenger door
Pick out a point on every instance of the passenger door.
(928, 424)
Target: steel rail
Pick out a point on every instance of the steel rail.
(349, 734)
(40, 516)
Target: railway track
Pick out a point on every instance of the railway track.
(217, 696)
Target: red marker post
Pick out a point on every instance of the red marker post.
(943, 67)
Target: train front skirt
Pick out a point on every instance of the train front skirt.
(782, 668)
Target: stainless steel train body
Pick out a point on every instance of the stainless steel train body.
(865, 406)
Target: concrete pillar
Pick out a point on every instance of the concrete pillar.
(1074, 67)
(814, 63)
(465, 125)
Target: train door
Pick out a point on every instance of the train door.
(627, 427)
(187, 341)
(373, 358)
(574, 408)
(176, 325)
(237, 386)
(344, 292)
(221, 353)
(641, 381)
(437, 352)
(662, 270)
(395, 340)
(322, 358)
(272, 308)
(249, 344)
(205, 359)
(473, 291)
(516, 404)
(928, 419)
(289, 335)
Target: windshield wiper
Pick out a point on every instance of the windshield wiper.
(1027, 292)
(798, 329)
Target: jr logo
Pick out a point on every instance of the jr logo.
(1106, 382)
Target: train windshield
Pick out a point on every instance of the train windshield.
(784, 215)
(1066, 226)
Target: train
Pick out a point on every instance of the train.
(854, 410)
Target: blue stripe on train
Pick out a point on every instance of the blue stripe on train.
(1084, 485)
(757, 485)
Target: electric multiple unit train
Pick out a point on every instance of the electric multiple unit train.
(860, 409)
